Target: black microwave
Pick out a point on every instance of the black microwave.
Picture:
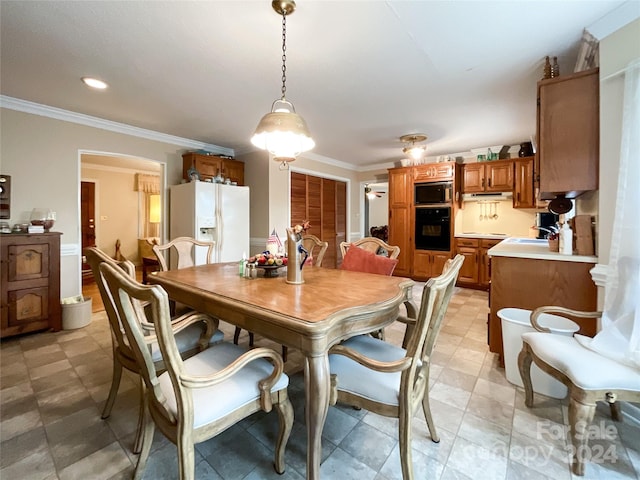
(433, 193)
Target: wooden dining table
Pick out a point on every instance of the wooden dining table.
(330, 306)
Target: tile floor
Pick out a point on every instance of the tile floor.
(53, 386)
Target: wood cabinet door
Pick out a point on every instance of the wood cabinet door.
(473, 178)
(400, 217)
(523, 196)
(233, 170)
(400, 235)
(499, 176)
(469, 270)
(433, 172)
(422, 263)
(438, 261)
(28, 262)
(568, 134)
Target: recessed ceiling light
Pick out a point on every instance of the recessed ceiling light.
(94, 83)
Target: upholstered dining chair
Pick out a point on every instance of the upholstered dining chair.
(200, 397)
(190, 340)
(370, 373)
(372, 244)
(588, 375)
(316, 249)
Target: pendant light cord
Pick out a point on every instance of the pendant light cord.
(284, 54)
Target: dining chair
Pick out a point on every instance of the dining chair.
(316, 249)
(182, 252)
(372, 244)
(202, 396)
(589, 376)
(184, 249)
(369, 373)
(191, 340)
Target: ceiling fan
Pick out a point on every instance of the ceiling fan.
(371, 194)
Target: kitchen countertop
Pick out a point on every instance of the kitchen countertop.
(535, 249)
(490, 236)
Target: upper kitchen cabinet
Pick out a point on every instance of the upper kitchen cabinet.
(433, 172)
(209, 166)
(495, 176)
(523, 196)
(568, 134)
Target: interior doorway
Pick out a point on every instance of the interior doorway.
(376, 206)
(87, 223)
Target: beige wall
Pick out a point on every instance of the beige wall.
(616, 51)
(42, 155)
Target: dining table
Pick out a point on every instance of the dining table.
(329, 307)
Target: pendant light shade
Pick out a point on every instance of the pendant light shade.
(282, 131)
(416, 152)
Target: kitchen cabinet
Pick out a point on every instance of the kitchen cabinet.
(30, 283)
(433, 172)
(568, 134)
(529, 283)
(428, 263)
(523, 195)
(208, 166)
(401, 217)
(475, 271)
(481, 177)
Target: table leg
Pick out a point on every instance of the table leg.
(316, 382)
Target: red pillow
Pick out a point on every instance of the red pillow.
(360, 260)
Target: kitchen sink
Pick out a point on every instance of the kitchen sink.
(530, 241)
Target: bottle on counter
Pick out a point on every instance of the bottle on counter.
(566, 239)
(242, 265)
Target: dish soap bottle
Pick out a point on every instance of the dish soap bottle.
(566, 239)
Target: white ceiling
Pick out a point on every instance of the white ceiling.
(361, 73)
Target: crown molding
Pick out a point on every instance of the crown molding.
(95, 122)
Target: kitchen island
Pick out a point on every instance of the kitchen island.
(525, 274)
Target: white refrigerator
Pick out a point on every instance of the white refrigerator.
(212, 212)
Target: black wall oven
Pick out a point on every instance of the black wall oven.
(433, 228)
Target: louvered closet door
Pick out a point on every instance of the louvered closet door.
(322, 202)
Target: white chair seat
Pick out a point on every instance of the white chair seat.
(212, 403)
(186, 340)
(586, 368)
(362, 381)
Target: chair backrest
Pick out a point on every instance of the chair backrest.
(314, 246)
(95, 257)
(435, 300)
(185, 250)
(372, 244)
(134, 301)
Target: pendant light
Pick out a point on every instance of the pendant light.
(416, 152)
(282, 131)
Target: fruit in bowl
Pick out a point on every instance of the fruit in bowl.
(267, 259)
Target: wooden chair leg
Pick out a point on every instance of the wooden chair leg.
(580, 417)
(426, 408)
(524, 364)
(285, 415)
(614, 407)
(115, 384)
(236, 335)
(147, 440)
(406, 459)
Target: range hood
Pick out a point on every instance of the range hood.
(493, 196)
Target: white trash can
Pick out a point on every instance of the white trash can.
(76, 312)
(515, 322)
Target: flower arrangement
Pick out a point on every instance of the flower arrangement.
(299, 230)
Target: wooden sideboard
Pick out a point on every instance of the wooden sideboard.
(30, 283)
